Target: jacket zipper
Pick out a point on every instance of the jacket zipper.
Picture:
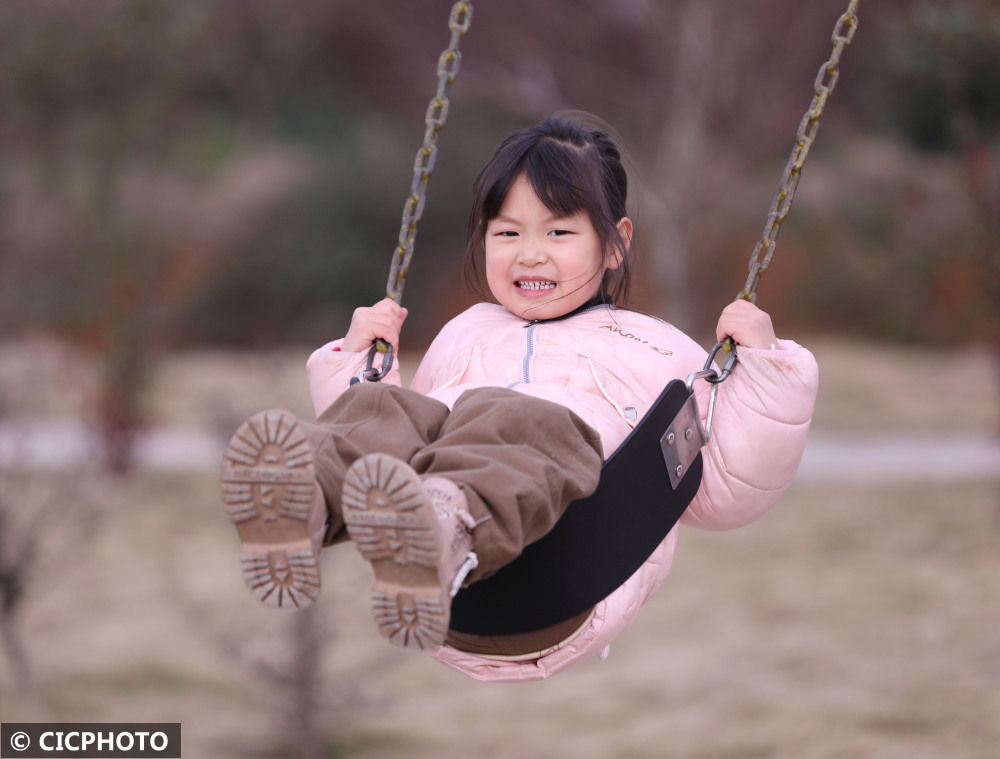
(529, 354)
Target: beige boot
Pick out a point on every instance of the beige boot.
(417, 535)
(270, 491)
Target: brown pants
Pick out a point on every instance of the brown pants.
(519, 460)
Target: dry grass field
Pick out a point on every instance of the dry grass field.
(857, 620)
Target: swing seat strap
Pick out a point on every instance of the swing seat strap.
(600, 541)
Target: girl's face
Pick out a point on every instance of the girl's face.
(542, 266)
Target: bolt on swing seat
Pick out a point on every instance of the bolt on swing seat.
(650, 479)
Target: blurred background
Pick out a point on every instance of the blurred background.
(195, 194)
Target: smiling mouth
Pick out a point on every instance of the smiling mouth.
(535, 285)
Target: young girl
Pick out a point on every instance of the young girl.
(508, 419)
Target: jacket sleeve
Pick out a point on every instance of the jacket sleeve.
(331, 369)
(762, 416)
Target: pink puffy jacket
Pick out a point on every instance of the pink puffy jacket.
(608, 365)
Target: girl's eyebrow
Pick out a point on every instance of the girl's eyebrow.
(504, 219)
(550, 219)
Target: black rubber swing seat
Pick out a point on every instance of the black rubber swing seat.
(598, 543)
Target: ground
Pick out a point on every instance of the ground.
(856, 619)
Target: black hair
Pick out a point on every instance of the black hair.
(571, 168)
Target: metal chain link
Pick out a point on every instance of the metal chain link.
(825, 81)
(437, 113)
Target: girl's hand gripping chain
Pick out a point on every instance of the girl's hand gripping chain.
(383, 320)
(748, 325)
(745, 325)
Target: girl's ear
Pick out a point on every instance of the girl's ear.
(625, 233)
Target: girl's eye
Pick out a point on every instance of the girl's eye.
(506, 233)
(560, 232)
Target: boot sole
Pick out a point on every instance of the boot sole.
(392, 522)
(268, 485)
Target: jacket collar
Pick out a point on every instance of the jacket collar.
(597, 300)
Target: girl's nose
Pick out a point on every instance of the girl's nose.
(531, 252)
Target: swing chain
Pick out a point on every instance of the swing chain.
(437, 113)
(760, 259)
(826, 80)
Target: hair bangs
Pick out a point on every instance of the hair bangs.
(561, 180)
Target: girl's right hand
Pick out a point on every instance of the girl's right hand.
(384, 319)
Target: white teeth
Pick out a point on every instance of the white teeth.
(535, 285)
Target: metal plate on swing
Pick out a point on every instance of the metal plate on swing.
(682, 441)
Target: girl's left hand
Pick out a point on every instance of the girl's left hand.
(748, 325)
